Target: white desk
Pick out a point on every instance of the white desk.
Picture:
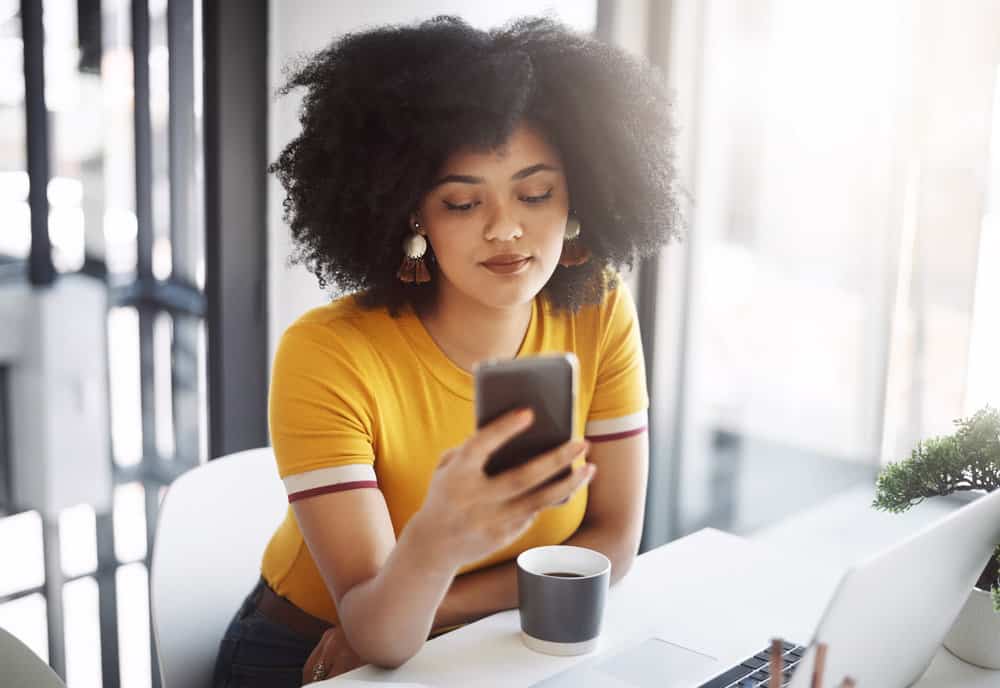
(709, 585)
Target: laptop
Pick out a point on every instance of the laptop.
(883, 624)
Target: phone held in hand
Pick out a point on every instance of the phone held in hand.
(547, 384)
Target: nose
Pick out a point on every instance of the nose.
(503, 226)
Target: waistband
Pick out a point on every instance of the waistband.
(282, 611)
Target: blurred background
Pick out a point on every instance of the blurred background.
(836, 297)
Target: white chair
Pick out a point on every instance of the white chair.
(214, 523)
(22, 668)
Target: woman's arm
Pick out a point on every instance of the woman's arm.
(616, 501)
(374, 580)
(612, 525)
(387, 592)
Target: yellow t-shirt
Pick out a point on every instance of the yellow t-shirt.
(362, 400)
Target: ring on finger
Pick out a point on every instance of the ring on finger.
(319, 672)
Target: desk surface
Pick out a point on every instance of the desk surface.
(684, 592)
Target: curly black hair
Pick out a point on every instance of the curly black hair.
(384, 108)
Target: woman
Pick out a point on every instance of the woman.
(472, 192)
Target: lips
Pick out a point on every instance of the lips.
(506, 259)
(508, 264)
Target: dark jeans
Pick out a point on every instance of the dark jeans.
(259, 653)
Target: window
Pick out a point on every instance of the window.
(123, 205)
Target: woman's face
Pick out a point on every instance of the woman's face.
(496, 220)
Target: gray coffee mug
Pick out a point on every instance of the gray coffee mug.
(561, 592)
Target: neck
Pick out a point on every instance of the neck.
(469, 332)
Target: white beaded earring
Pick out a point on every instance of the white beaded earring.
(413, 269)
(574, 252)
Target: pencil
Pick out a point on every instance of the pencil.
(818, 667)
(776, 663)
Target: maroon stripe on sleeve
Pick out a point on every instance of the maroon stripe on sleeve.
(340, 487)
(615, 435)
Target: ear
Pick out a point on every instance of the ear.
(417, 225)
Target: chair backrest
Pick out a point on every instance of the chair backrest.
(22, 668)
(214, 524)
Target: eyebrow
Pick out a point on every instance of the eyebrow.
(521, 174)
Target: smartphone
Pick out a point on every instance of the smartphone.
(547, 384)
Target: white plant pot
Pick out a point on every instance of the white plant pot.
(975, 635)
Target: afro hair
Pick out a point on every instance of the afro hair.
(384, 108)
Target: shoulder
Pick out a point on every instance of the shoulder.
(341, 326)
(336, 340)
(325, 360)
(615, 310)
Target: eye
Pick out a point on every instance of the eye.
(461, 207)
(538, 199)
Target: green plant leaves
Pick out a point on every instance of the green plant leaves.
(969, 459)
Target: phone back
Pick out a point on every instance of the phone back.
(547, 384)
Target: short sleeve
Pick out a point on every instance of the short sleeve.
(320, 413)
(620, 402)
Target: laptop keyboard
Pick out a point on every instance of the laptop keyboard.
(755, 670)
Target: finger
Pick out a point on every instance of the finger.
(316, 656)
(495, 434)
(550, 495)
(340, 656)
(533, 473)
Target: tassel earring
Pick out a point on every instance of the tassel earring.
(413, 270)
(574, 252)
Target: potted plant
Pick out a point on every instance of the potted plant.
(968, 459)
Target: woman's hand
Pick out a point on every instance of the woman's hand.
(468, 514)
(331, 657)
